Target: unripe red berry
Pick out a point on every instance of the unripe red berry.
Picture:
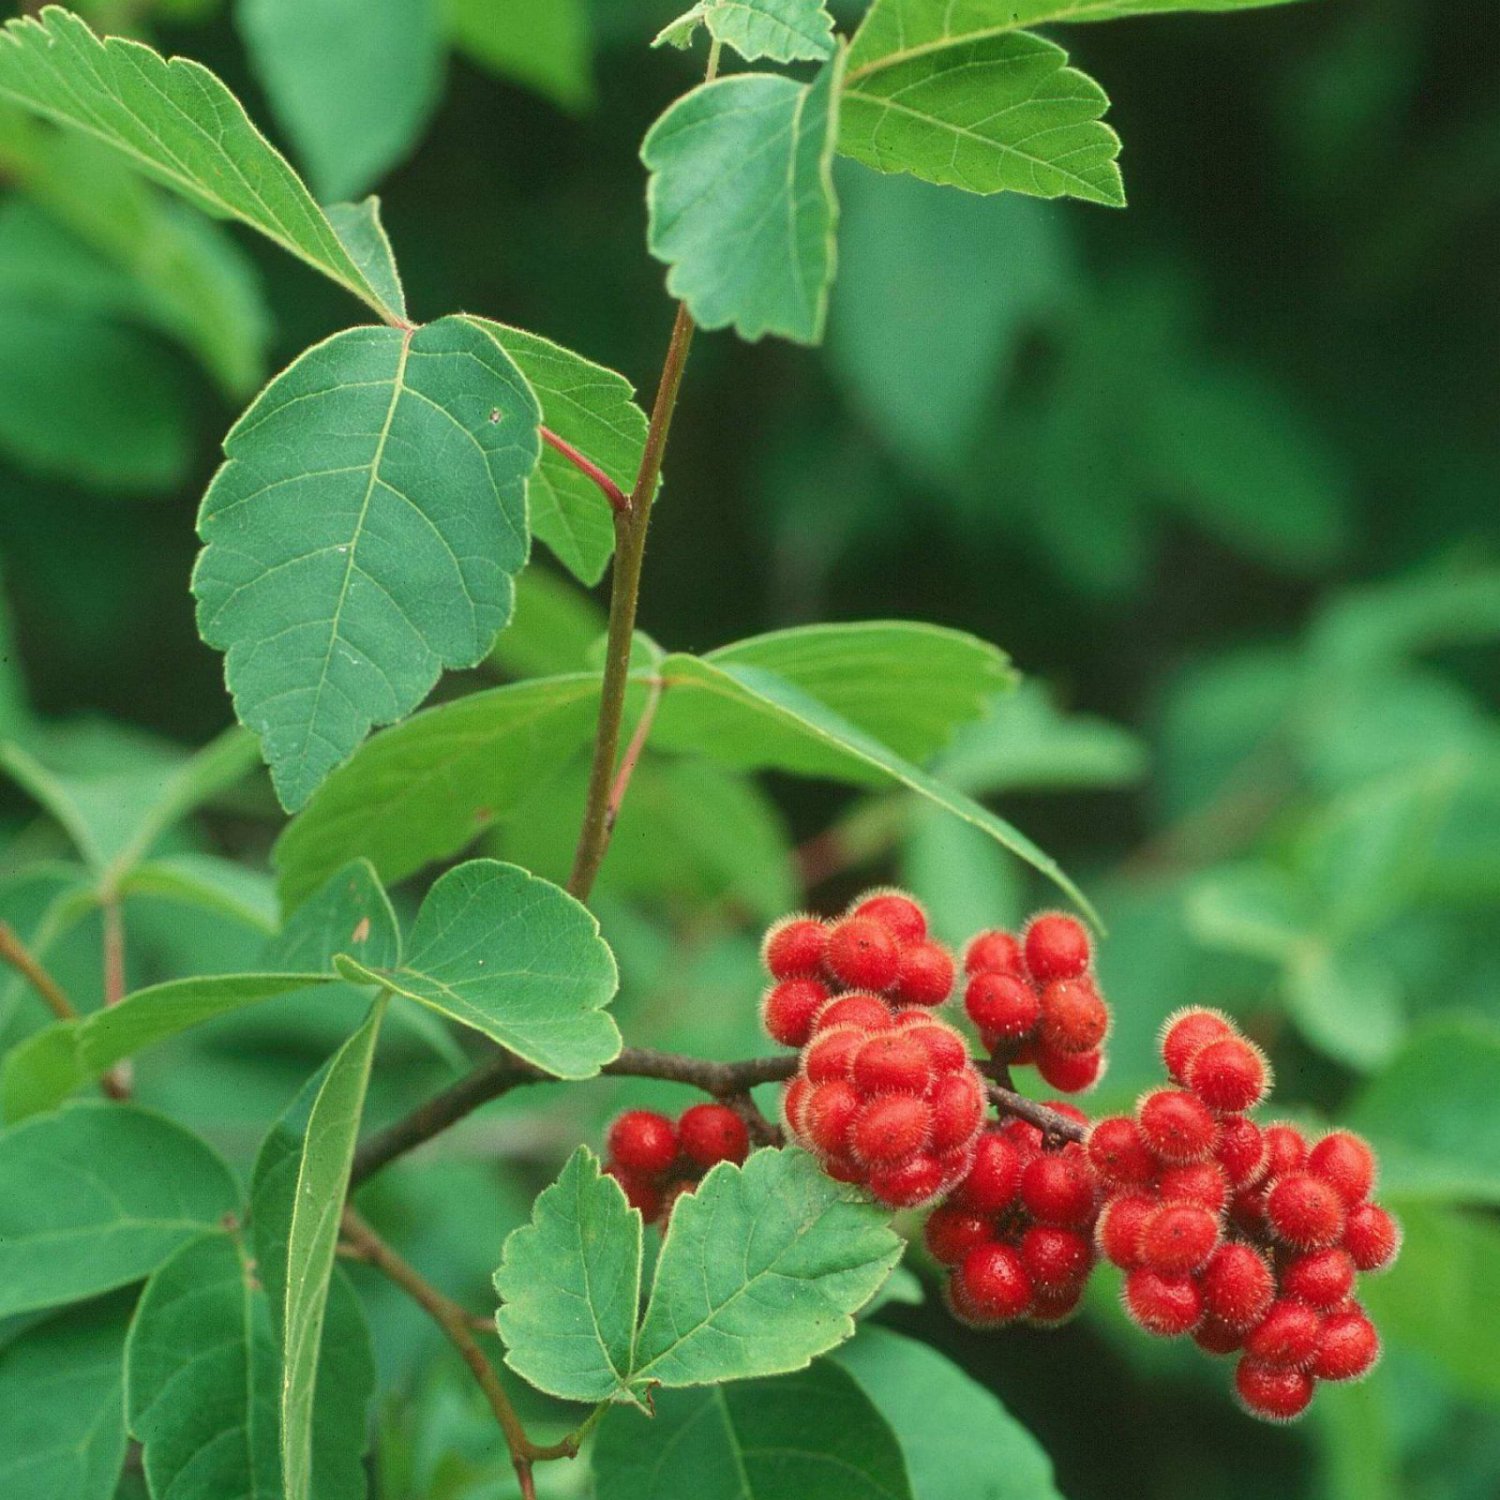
(863, 954)
(868, 1012)
(1178, 1237)
(893, 1062)
(889, 1129)
(1118, 1153)
(994, 953)
(1185, 1031)
(1058, 1188)
(1177, 1126)
(902, 917)
(1287, 1335)
(1347, 1348)
(957, 1102)
(951, 1232)
(1270, 1392)
(1229, 1075)
(795, 948)
(711, 1133)
(945, 1047)
(1305, 1211)
(1372, 1237)
(994, 1178)
(828, 1114)
(1057, 1260)
(1321, 1278)
(1121, 1223)
(1215, 1337)
(1074, 1017)
(908, 1184)
(830, 1053)
(1002, 1005)
(789, 1008)
(643, 1142)
(925, 975)
(639, 1193)
(1056, 947)
(1072, 1072)
(1163, 1305)
(1286, 1149)
(1346, 1163)
(1241, 1151)
(995, 1283)
(793, 1102)
(1201, 1182)
(1237, 1284)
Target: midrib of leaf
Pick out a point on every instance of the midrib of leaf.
(736, 1446)
(622, 1377)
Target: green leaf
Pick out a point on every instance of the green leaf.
(350, 913)
(544, 44)
(814, 1435)
(426, 788)
(593, 409)
(209, 882)
(322, 1185)
(783, 30)
(368, 522)
(351, 81)
(960, 1442)
(203, 1382)
(96, 1197)
(950, 94)
(176, 122)
(554, 626)
(62, 1408)
(569, 1282)
(762, 1270)
(362, 234)
(516, 958)
(741, 201)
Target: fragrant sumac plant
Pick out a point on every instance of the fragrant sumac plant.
(202, 1310)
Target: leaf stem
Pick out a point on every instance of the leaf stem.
(117, 1081)
(15, 953)
(618, 499)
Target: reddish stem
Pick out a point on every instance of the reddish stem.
(619, 501)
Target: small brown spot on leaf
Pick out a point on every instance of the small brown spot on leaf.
(361, 931)
(494, 414)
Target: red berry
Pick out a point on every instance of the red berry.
(951, 1232)
(639, 1193)
(1247, 1210)
(1241, 1151)
(1185, 1031)
(1002, 1005)
(1056, 947)
(1163, 1305)
(1118, 1153)
(711, 1133)
(1322, 1278)
(863, 954)
(1270, 1392)
(1177, 1126)
(793, 1102)
(670, 1199)
(1121, 1223)
(1024, 1136)
(909, 1184)
(788, 1010)
(956, 1165)
(1372, 1237)
(1072, 1072)
(892, 1063)
(1347, 1348)
(925, 976)
(994, 953)
(643, 1141)
(1201, 1182)
(1058, 1188)
(995, 1176)
(902, 917)
(830, 1053)
(995, 1283)
(868, 1012)
(1346, 1163)
(1229, 1075)
(1305, 1211)
(945, 1047)
(1178, 1237)
(1215, 1337)
(1287, 1335)
(1049, 1309)
(827, 1115)
(1074, 1017)
(1057, 1260)
(1286, 1149)
(1069, 1111)
(795, 948)
(889, 1129)
(1237, 1286)
(957, 1111)
(844, 1169)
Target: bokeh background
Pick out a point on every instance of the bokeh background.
(1220, 472)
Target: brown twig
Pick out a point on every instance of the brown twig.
(14, 952)
(618, 499)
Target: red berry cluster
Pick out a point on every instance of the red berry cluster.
(1242, 1236)
(884, 1094)
(1035, 1000)
(656, 1161)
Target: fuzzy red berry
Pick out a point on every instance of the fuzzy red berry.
(893, 1062)
(1072, 1072)
(994, 1178)
(889, 1129)
(1121, 1223)
(1215, 1337)
(1049, 1309)
(1286, 1149)
(910, 1183)
(643, 1142)
(945, 1047)
(1074, 1018)
(1056, 1259)
(868, 1012)
(1247, 1210)
(1241, 1151)
(1346, 1163)
(863, 954)
(639, 1193)
(994, 953)
(1163, 1305)
(925, 975)
(1185, 1031)
(789, 1008)
(1201, 1182)
(1237, 1284)
(1322, 1278)
(711, 1133)
(830, 1053)
(795, 948)
(1287, 1335)
(828, 1114)
(951, 1232)
(793, 1101)
(1002, 1005)
(1305, 1211)
(957, 1111)
(1058, 1188)
(1229, 1075)
(1347, 1348)
(1372, 1237)
(902, 917)
(995, 1283)
(1271, 1392)
(1056, 947)
(1177, 1126)
(1118, 1153)
(1178, 1237)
